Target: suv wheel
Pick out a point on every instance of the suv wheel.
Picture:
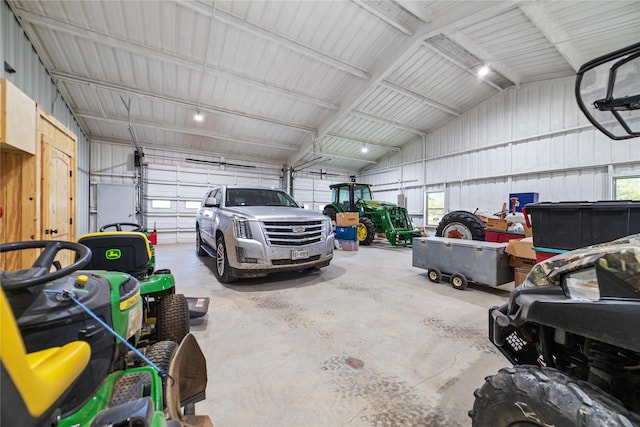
(222, 270)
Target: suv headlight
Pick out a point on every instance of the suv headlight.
(327, 226)
(242, 228)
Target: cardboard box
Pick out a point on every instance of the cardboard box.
(522, 248)
(518, 262)
(497, 224)
(520, 274)
(346, 219)
(528, 232)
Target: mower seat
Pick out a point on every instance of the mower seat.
(33, 383)
(124, 251)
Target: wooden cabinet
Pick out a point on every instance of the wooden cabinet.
(17, 119)
(37, 192)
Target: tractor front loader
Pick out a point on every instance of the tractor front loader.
(375, 216)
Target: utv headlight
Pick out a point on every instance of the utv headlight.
(582, 285)
(242, 228)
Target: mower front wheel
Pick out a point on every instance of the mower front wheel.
(172, 322)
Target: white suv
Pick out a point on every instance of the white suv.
(254, 231)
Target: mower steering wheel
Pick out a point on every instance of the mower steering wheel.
(118, 226)
(39, 272)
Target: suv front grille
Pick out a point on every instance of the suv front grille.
(298, 233)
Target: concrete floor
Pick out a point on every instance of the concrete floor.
(366, 341)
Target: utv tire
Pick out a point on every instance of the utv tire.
(434, 275)
(172, 316)
(534, 396)
(366, 231)
(461, 225)
(222, 270)
(199, 250)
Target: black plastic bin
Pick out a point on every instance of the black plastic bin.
(573, 225)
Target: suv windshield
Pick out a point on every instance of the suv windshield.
(258, 197)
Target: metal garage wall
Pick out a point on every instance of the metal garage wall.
(527, 139)
(33, 79)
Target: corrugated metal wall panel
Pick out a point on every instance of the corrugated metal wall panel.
(32, 78)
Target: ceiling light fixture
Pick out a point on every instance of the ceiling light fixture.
(364, 148)
(198, 117)
(483, 71)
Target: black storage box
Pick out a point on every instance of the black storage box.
(573, 225)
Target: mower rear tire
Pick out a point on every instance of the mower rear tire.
(535, 396)
(366, 231)
(172, 315)
(161, 353)
(461, 225)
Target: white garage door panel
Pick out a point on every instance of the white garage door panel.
(166, 174)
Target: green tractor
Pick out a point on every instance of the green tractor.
(375, 216)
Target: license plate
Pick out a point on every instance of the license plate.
(300, 254)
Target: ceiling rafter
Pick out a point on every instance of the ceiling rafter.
(362, 141)
(287, 42)
(384, 17)
(180, 129)
(457, 36)
(77, 79)
(398, 53)
(421, 98)
(137, 49)
(386, 122)
(418, 9)
(460, 65)
(552, 31)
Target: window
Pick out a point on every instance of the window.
(192, 205)
(161, 204)
(434, 207)
(626, 188)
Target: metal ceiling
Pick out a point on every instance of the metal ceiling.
(292, 81)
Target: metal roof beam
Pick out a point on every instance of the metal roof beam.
(136, 49)
(371, 117)
(279, 39)
(416, 8)
(471, 46)
(420, 98)
(77, 79)
(184, 130)
(460, 65)
(362, 141)
(552, 31)
(384, 17)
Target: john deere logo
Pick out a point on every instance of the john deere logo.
(112, 254)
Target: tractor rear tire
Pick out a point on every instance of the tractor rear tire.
(461, 225)
(172, 322)
(331, 212)
(366, 231)
(534, 396)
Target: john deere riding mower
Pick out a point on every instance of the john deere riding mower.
(165, 314)
(66, 349)
(375, 216)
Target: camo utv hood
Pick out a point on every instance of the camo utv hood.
(621, 255)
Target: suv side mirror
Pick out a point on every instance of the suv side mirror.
(211, 202)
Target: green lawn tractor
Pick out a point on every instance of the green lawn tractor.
(375, 216)
(166, 314)
(68, 352)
